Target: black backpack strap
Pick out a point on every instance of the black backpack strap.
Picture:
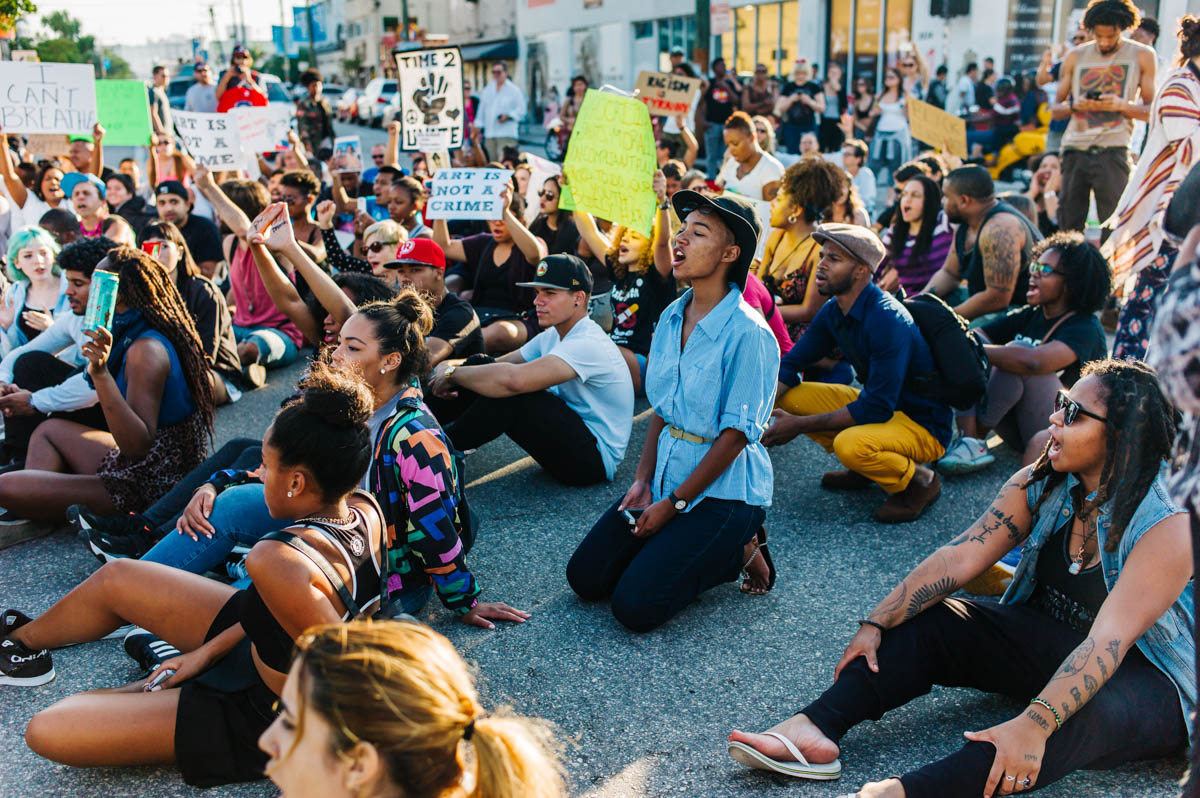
(304, 547)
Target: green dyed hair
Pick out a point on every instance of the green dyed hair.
(29, 237)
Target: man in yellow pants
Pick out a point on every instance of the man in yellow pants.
(884, 433)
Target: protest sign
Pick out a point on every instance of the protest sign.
(48, 144)
(467, 194)
(347, 155)
(211, 139)
(124, 112)
(439, 159)
(540, 170)
(937, 128)
(666, 94)
(262, 129)
(610, 160)
(431, 99)
(24, 55)
(40, 97)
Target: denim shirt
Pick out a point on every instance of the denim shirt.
(724, 378)
(1169, 643)
(16, 298)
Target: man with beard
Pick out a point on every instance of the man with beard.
(992, 246)
(883, 433)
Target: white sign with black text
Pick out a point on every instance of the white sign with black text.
(431, 99)
(467, 194)
(212, 139)
(37, 97)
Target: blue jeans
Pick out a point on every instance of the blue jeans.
(239, 516)
(714, 147)
(275, 349)
(650, 580)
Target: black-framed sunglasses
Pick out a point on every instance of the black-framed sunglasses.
(1071, 409)
(546, 195)
(377, 246)
(1044, 269)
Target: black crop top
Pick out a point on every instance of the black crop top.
(274, 645)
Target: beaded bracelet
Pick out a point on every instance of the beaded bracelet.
(1049, 706)
(877, 625)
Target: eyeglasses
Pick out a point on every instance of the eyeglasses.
(1071, 409)
(1043, 269)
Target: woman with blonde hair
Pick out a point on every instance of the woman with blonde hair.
(764, 131)
(381, 241)
(640, 270)
(417, 729)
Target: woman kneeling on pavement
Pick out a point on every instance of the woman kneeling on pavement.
(419, 731)
(704, 480)
(219, 696)
(1094, 633)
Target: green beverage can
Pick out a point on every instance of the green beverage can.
(102, 299)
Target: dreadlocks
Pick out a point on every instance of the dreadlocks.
(144, 286)
(1139, 434)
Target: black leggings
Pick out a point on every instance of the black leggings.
(1011, 650)
(34, 371)
(540, 423)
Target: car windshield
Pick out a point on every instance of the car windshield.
(276, 94)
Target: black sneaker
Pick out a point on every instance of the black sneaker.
(11, 621)
(113, 538)
(147, 649)
(23, 667)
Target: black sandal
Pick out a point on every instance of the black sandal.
(760, 548)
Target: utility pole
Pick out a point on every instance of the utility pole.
(312, 36)
(404, 19)
(703, 35)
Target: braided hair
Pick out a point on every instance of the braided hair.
(1139, 434)
(144, 286)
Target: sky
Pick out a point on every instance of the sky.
(142, 21)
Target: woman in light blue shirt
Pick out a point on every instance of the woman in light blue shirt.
(37, 293)
(693, 516)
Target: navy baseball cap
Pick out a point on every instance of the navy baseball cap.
(564, 272)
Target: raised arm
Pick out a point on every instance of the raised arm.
(279, 236)
(662, 243)
(532, 247)
(230, 214)
(452, 247)
(596, 240)
(97, 164)
(689, 141)
(283, 292)
(391, 152)
(12, 181)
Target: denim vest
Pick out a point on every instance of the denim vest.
(1169, 643)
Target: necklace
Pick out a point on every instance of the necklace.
(1077, 561)
(784, 261)
(316, 519)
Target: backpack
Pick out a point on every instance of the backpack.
(961, 367)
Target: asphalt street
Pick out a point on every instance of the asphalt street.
(638, 715)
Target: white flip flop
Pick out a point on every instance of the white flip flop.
(801, 769)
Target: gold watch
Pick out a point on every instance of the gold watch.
(450, 372)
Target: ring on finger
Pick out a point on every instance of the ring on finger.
(1025, 782)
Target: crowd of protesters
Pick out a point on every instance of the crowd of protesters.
(892, 307)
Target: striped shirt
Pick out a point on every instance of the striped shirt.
(1172, 148)
(915, 272)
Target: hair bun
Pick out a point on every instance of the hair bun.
(413, 307)
(336, 398)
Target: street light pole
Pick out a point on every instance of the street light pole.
(312, 37)
(404, 19)
(703, 35)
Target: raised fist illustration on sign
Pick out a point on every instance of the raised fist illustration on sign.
(430, 98)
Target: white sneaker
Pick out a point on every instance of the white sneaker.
(965, 455)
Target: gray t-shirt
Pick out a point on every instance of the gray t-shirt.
(201, 98)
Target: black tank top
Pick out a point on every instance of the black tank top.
(353, 542)
(972, 267)
(1073, 599)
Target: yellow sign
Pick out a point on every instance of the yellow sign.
(938, 129)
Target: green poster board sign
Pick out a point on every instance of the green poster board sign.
(123, 108)
(610, 161)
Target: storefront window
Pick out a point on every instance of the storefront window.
(744, 27)
(790, 25)
(768, 37)
(839, 32)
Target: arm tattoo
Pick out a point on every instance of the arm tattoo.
(960, 540)
(1078, 698)
(891, 606)
(1090, 684)
(1031, 758)
(1037, 718)
(1000, 250)
(927, 594)
(1077, 660)
(993, 520)
(1114, 648)
(1103, 669)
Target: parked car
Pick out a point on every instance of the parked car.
(347, 105)
(374, 99)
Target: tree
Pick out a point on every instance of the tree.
(118, 67)
(62, 23)
(62, 51)
(12, 10)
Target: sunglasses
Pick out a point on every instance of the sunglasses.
(908, 65)
(1071, 409)
(1043, 269)
(546, 195)
(376, 157)
(377, 246)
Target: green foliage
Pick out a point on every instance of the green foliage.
(62, 23)
(118, 67)
(62, 51)
(12, 10)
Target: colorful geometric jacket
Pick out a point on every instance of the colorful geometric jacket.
(414, 478)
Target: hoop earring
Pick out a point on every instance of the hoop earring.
(791, 218)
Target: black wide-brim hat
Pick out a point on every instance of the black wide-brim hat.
(737, 214)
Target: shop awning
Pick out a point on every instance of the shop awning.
(505, 49)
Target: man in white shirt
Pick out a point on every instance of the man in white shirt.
(964, 92)
(854, 161)
(202, 95)
(565, 397)
(500, 111)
